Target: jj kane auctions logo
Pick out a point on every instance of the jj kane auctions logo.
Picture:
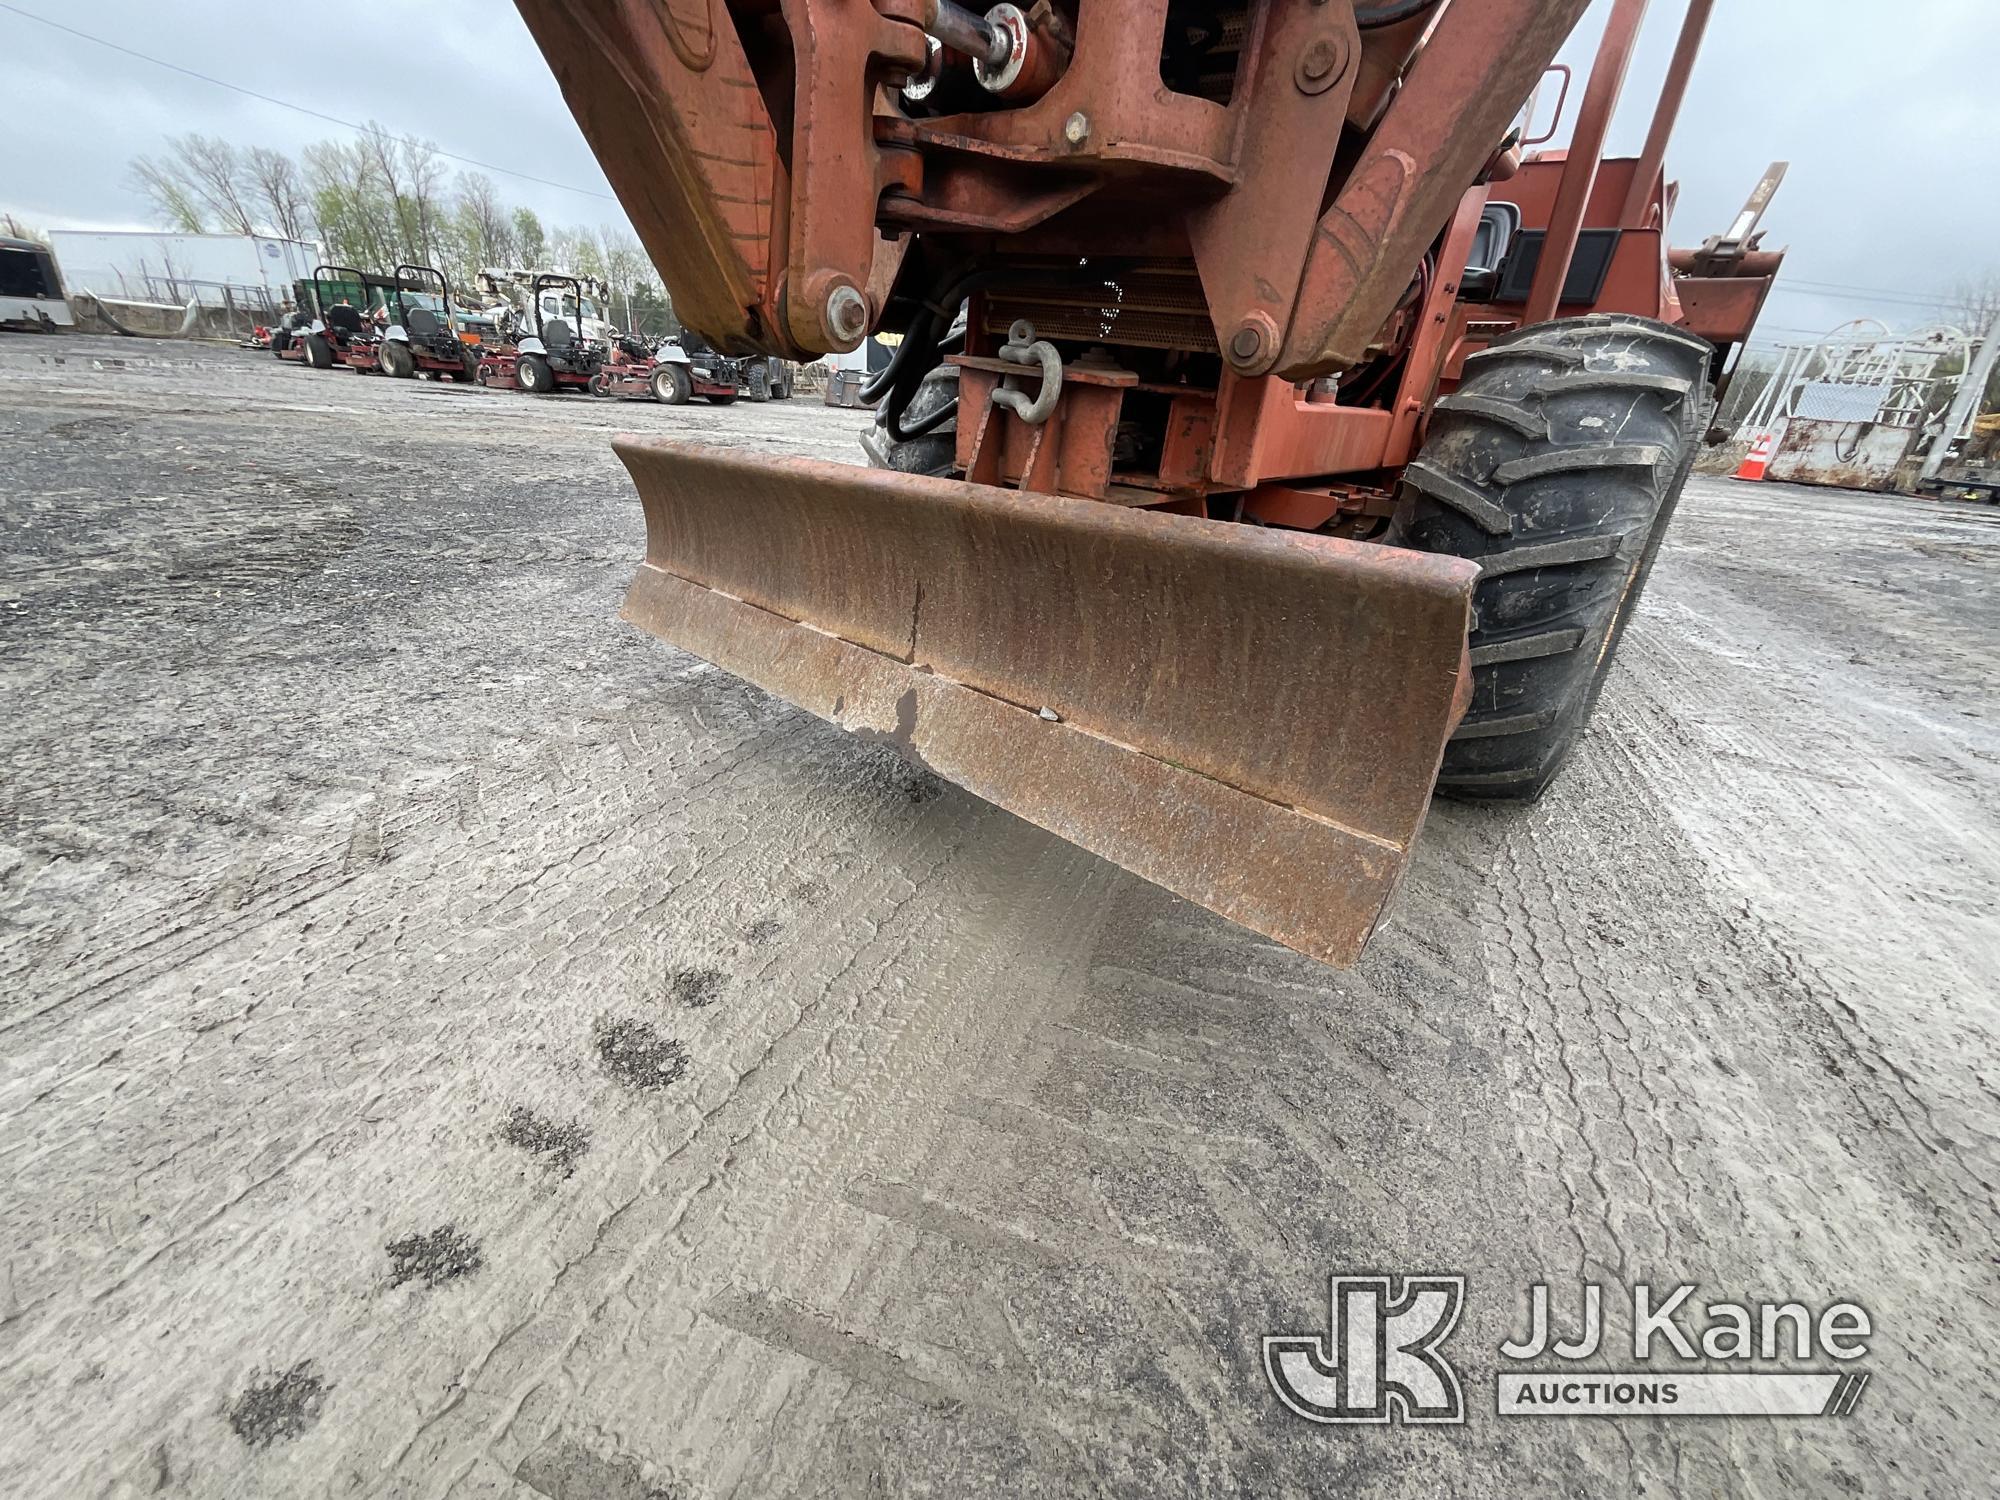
(1381, 1357)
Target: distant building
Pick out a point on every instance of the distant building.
(216, 270)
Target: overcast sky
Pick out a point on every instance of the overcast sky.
(1890, 132)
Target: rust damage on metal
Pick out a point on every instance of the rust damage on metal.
(1183, 739)
(1217, 264)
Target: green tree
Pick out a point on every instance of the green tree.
(652, 312)
(379, 200)
(530, 240)
(355, 209)
(408, 177)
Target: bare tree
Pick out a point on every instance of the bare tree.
(278, 191)
(575, 250)
(381, 157)
(1974, 302)
(202, 181)
(14, 229)
(411, 173)
(562, 252)
(625, 264)
(172, 199)
(483, 229)
(423, 171)
(379, 200)
(1974, 305)
(215, 172)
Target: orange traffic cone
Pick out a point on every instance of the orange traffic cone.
(1758, 458)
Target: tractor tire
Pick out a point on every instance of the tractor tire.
(934, 453)
(535, 376)
(600, 384)
(672, 385)
(319, 353)
(760, 383)
(468, 371)
(397, 360)
(1556, 465)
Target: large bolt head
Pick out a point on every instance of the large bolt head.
(1321, 65)
(846, 314)
(1253, 347)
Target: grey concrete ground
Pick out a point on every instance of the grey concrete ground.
(455, 1045)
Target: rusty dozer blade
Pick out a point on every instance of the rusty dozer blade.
(1251, 718)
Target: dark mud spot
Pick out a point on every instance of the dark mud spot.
(445, 1254)
(638, 1056)
(276, 1408)
(558, 1145)
(85, 428)
(889, 772)
(811, 892)
(568, 1471)
(920, 785)
(763, 930)
(696, 988)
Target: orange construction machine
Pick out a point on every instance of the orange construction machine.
(1274, 434)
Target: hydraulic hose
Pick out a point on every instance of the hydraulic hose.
(920, 350)
(923, 345)
(944, 306)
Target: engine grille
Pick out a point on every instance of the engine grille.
(1146, 304)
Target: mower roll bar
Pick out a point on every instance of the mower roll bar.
(535, 289)
(422, 274)
(320, 278)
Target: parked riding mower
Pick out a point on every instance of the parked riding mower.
(421, 335)
(303, 335)
(339, 332)
(554, 357)
(689, 366)
(287, 341)
(629, 369)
